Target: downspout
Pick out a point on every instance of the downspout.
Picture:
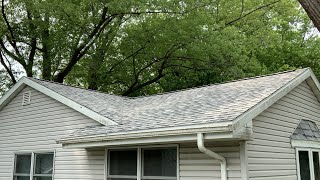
(203, 149)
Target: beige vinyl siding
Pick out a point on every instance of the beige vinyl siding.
(270, 155)
(35, 127)
(194, 165)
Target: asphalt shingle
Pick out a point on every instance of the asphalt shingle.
(306, 130)
(202, 105)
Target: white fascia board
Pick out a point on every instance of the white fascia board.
(13, 92)
(146, 134)
(246, 117)
(314, 84)
(68, 102)
(304, 144)
(152, 140)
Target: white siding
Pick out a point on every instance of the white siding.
(270, 155)
(36, 127)
(194, 165)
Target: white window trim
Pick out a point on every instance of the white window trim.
(309, 150)
(32, 153)
(139, 159)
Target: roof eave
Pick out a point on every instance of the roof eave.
(221, 132)
(16, 89)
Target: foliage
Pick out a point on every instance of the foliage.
(145, 47)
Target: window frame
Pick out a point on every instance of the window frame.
(32, 165)
(139, 175)
(311, 165)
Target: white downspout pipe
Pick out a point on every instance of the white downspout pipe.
(202, 148)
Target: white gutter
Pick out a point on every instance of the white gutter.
(202, 148)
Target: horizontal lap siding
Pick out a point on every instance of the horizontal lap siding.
(194, 165)
(270, 155)
(36, 127)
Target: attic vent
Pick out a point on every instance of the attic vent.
(26, 98)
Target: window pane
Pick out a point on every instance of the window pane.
(160, 162)
(316, 165)
(304, 165)
(23, 178)
(123, 162)
(42, 178)
(44, 164)
(23, 164)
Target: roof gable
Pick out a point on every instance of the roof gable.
(306, 130)
(53, 94)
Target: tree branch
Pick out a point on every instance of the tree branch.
(83, 47)
(251, 12)
(13, 56)
(13, 79)
(14, 42)
(312, 7)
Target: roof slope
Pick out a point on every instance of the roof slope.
(104, 104)
(210, 104)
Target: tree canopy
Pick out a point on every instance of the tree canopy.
(143, 47)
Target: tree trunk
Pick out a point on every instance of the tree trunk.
(47, 62)
(312, 8)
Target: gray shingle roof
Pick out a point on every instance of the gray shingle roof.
(306, 130)
(203, 105)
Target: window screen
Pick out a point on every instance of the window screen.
(44, 164)
(159, 163)
(304, 165)
(22, 167)
(23, 164)
(151, 163)
(122, 164)
(42, 168)
(316, 165)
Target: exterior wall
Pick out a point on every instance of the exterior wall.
(194, 165)
(36, 127)
(270, 155)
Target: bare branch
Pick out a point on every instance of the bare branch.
(13, 56)
(13, 39)
(251, 12)
(8, 69)
(242, 8)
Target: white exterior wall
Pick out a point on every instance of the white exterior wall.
(36, 127)
(270, 155)
(194, 165)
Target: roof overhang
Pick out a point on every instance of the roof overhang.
(218, 132)
(23, 82)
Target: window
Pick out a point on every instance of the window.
(37, 165)
(308, 166)
(143, 164)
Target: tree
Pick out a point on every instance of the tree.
(312, 8)
(144, 47)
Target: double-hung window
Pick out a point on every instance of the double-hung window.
(33, 166)
(308, 164)
(142, 164)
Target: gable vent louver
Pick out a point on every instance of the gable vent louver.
(26, 99)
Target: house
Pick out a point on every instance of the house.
(259, 128)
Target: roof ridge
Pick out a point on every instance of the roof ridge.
(225, 82)
(169, 92)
